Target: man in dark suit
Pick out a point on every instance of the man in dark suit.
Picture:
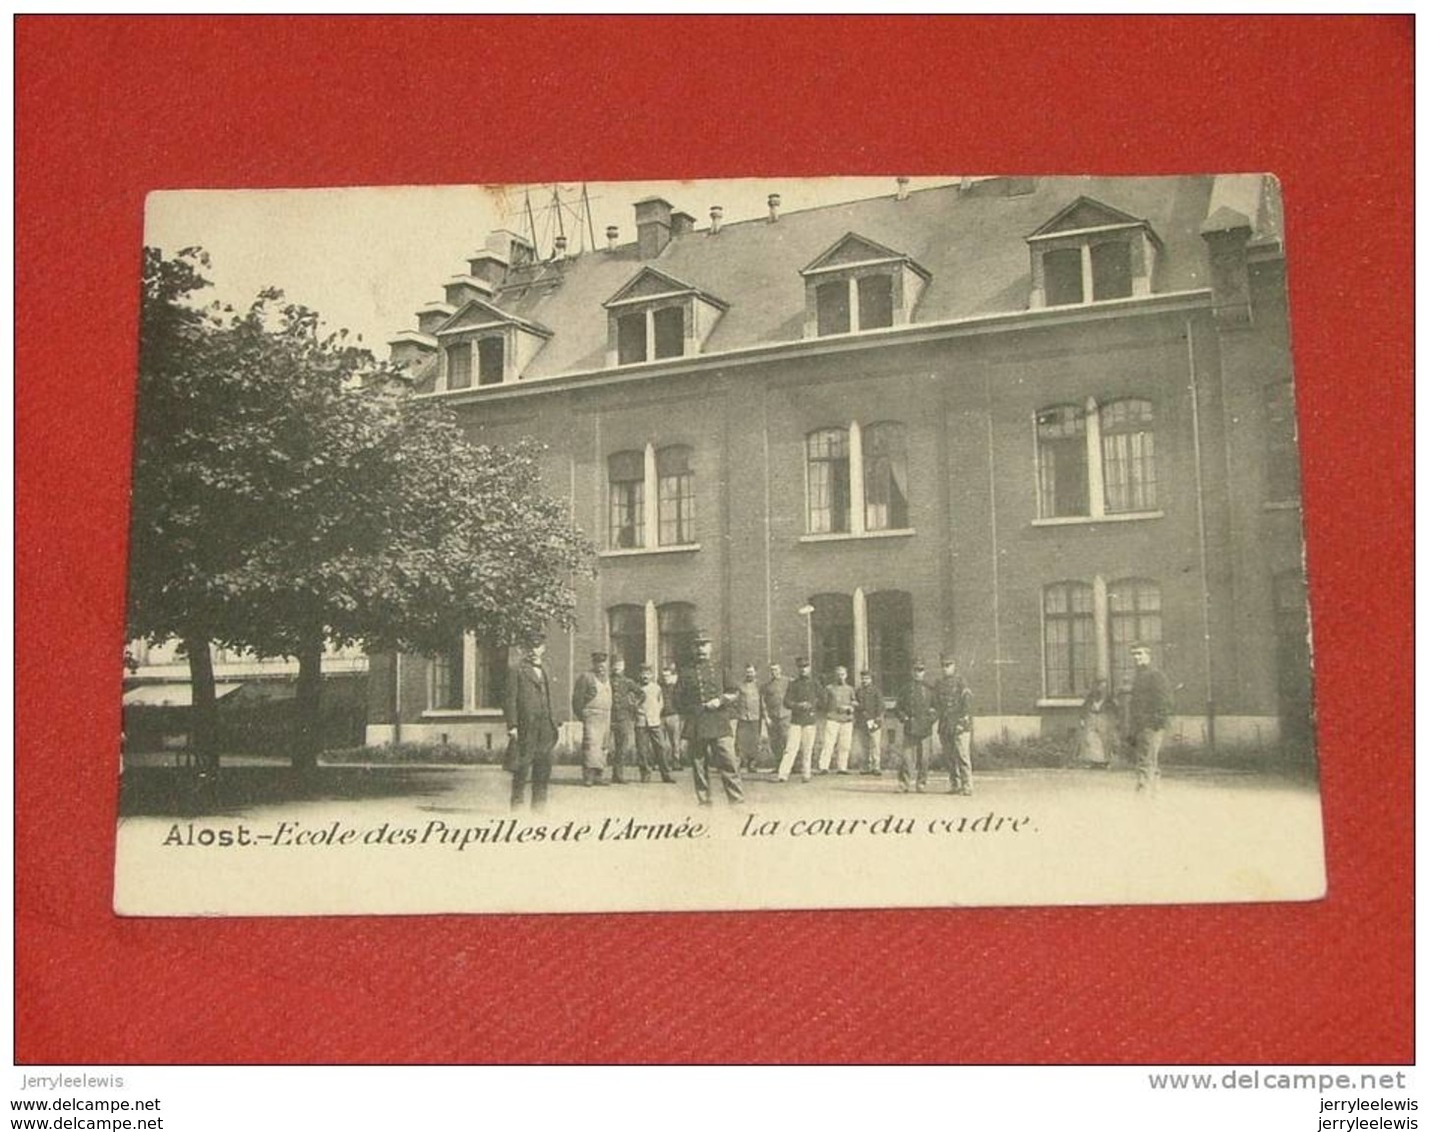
(915, 710)
(530, 727)
(1150, 711)
(706, 708)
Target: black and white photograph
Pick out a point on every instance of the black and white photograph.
(741, 544)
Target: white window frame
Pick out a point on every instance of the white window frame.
(1096, 472)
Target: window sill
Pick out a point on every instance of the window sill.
(1060, 702)
(858, 536)
(1089, 520)
(1282, 505)
(637, 551)
(462, 713)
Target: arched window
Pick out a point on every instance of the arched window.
(677, 633)
(890, 639)
(830, 498)
(676, 474)
(1134, 614)
(1069, 650)
(1062, 461)
(627, 500)
(1128, 456)
(626, 624)
(885, 476)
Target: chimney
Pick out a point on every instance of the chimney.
(774, 203)
(612, 237)
(652, 225)
(681, 224)
(716, 218)
(902, 188)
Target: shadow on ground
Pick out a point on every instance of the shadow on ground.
(181, 792)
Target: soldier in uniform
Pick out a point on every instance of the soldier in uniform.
(590, 703)
(624, 703)
(773, 711)
(915, 711)
(868, 722)
(706, 706)
(953, 701)
(802, 700)
(530, 728)
(838, 722)
(649, 737)
(670, 721)
(746, 721)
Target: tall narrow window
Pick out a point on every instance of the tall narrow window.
(890, 639)
(669, 332)
(630, 338)
(885, 476)
(875, 301)
(1134, 612)
(677, 495)
(490, 360)
(1062, 276)
(492, 665)
(627, 500)
(1069, 638)
(834, 314)
(627, 635)
(829, 495)
(459, 366)
(1128, 456)
(1111, 270)
(1062, 461)
(1282, 474)
(833, 632)
(449, 677)
(677, 632)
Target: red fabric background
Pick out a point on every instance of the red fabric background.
(108, 109)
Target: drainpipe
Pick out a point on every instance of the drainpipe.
(1201, 539)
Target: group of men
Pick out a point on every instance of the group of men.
(719, 723)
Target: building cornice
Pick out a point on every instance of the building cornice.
(906, 334)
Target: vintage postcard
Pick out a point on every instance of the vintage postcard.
(865, 542)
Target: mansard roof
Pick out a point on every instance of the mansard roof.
(971, 241)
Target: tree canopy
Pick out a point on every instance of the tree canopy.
(290, 492)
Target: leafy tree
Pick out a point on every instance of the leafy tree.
(350, 512)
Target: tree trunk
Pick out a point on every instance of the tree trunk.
(308, 738)
(203, 714)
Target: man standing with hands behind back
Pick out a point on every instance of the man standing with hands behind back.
(530, 728)
(1150, 711)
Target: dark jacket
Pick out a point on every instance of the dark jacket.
(953, 701)
(1151, 701)
(803, 699)
(867, 705)
(700, 683)
(915, 709)
(528, 709)
(585, 690)
(624, 698)
(772, 696)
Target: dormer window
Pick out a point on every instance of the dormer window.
(657, 316)
(483, 345)
(1089, 253)
(857, 285)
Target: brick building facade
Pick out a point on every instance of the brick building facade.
(1024, 421)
